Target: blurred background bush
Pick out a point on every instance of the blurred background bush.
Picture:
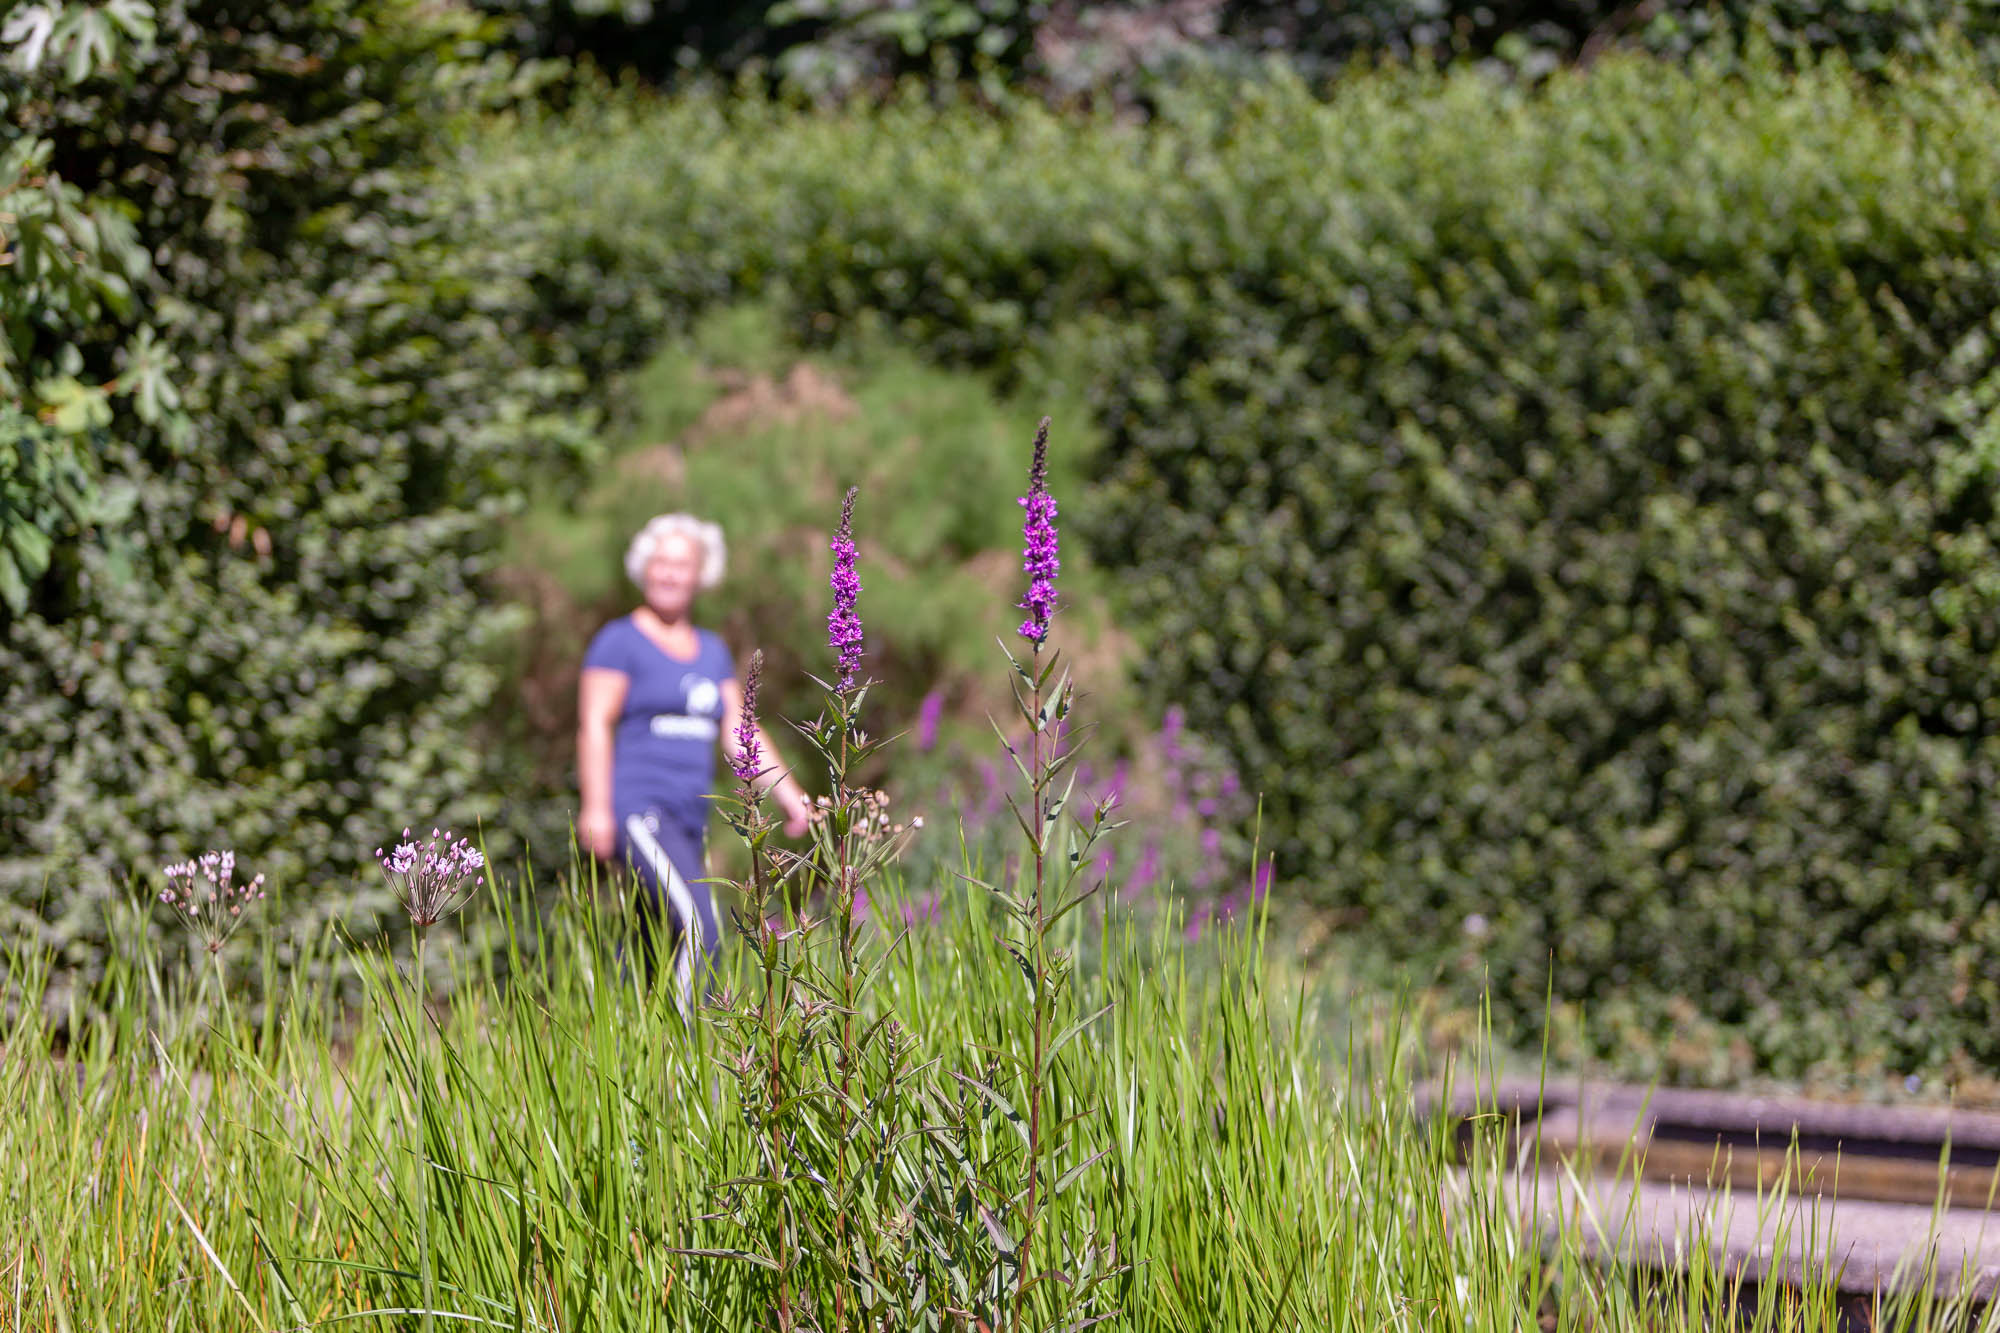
(1546, 454)
(1122, 49)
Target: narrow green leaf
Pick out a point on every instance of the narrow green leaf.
(747, 1256)
(215, 1259)
(999, 1103)
(1070, 1033)
(1002, 1241)
(1012, 753)
(287, 1291)
(1070, 1177)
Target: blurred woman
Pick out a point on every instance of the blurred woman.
(656, 697)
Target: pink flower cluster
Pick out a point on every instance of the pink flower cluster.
(433, 878)
(202, 893)
(843, 623)
(1040, 551)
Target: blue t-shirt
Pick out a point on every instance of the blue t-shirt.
(663, 749)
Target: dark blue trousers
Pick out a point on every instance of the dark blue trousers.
(676, 908)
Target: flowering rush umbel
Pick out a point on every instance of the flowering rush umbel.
(1039, 547)
(749, 760)
(434, 878)
(843, 626)
(201, 893)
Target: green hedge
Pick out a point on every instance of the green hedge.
(1573, 508)
(271, 634)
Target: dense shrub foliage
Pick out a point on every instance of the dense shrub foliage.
(262, 629)
(1535, 36)
(1127, 48)
(1571, 507)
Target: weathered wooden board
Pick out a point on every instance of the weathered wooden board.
(1775, 1189)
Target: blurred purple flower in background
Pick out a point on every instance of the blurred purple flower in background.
(1211, 868)
(1226, 907)
(1147, 871)
(993, 796)
(1185, 810)
(843, 625)
(1039, 547)
(928, 717)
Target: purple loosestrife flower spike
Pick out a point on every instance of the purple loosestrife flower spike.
(1039, 547)
(435, 878)
(749, 759)
(928, 718)
(201, 894)
(843, 626)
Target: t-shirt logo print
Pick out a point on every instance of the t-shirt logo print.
(703, 698)
(701, 704)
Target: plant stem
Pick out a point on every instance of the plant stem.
(1038, 954)
(422, 1041)
(222, 993)
(844, 898)
(776, 998)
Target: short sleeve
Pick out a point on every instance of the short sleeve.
(607, 650)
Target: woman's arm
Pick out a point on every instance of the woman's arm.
(600, 697)
(775, 778)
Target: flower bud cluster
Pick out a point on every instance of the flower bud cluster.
(872, 822)
(202, 893)
(843, 623)
(432, 878)
(1040, 547)
(749, 759)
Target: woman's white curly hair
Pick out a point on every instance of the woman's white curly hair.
(706, 536)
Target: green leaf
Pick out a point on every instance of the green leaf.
(286, 1288)
(746, 1256)
(32, 545)
(13, 586)
(1075, 900)
(1071, 1176)
(1002, 1240)
(75, 406)
(1074, 1030)
(998, 1103)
